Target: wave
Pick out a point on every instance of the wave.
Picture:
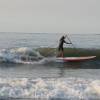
(19, 55)
(70, 52)
(62, 88)
(27, 55)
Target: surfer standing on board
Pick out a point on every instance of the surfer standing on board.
(60, 47)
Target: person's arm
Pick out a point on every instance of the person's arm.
(67, 42)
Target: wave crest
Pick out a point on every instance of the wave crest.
(19, 55)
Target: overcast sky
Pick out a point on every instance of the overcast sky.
(75, 16)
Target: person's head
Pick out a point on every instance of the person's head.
(62, 38)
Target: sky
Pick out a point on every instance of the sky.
(50, 16)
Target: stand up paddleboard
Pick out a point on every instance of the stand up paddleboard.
(74, 59)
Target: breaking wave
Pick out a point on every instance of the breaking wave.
(20, 55)
(25, 55)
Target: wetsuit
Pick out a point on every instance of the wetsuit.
(62, 41)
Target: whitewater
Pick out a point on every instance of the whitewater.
(62, 88)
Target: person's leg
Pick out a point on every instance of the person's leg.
(62, 52)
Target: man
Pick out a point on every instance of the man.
(60, 47)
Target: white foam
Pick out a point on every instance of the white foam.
(66, 88)
(15, 54)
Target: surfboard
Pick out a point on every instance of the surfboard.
(75, 59)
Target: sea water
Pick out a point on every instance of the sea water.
(44, 78)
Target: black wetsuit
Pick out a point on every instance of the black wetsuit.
(61, 42)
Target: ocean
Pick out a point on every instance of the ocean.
(25, 73)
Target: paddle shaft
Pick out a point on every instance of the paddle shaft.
(71, 43)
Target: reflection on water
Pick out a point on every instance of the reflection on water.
(49, 70)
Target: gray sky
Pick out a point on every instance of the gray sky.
(75, 16)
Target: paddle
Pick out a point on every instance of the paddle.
(71, 43)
